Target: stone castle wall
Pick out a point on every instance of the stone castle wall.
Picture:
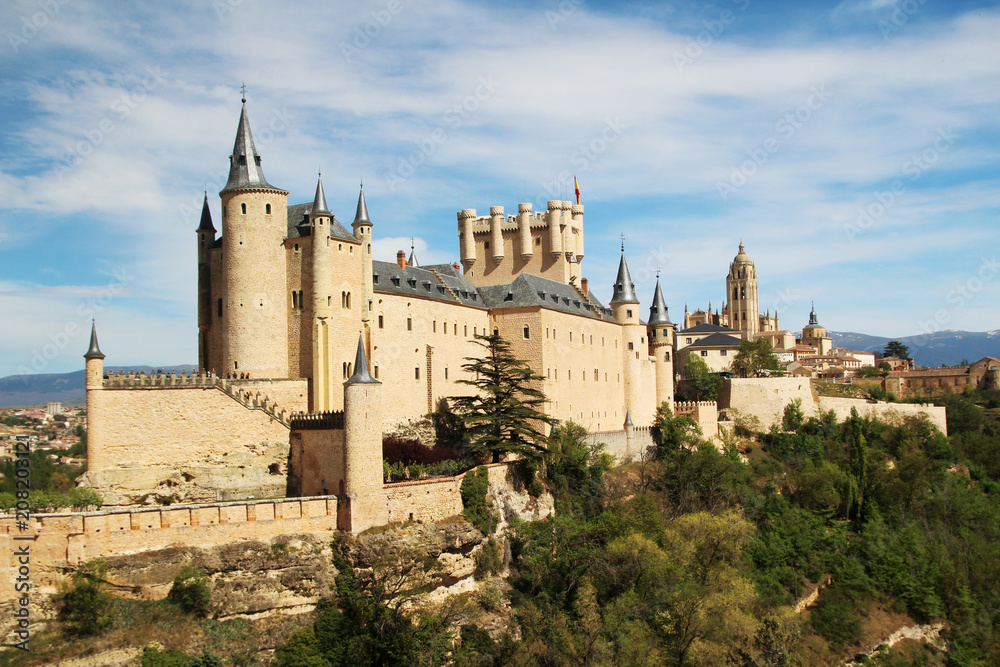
(766, 398)
(616, 443)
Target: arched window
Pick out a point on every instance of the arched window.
(348, 300)
(243, 208)
(267, 209)
(301, 302)
(295, 299)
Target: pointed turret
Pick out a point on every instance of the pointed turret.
(95, 351)
(628, 418)
(624, 287)
(206, 218)
(658, 311)
(361, 217)
(244, 163)
(319, 201)
(361, 374)
(412, 261)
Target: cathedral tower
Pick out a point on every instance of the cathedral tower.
(743, 306)
(254, 226)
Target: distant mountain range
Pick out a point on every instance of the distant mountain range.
(67, 388)
(943, 347)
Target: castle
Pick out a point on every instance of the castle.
(295, 317)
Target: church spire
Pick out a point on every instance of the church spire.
(624, 287)
(813, 320)
(658, 311)
(244, 163)
(412, 261)
(319, 201)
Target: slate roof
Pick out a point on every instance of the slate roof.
(414, 281)
(707, 328)
(529, 290)
(298, 224)
(244, 164)
(658, 311)
(715, 340)
(624, 287)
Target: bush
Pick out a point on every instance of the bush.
(84, 607)
(793, 417)
(474, 487)
(401, 450)
(83, 498)
(192, 592)
(489, 560)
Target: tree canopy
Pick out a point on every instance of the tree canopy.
(896, 349)
(703, 383)
(505, 414)
(755, 358)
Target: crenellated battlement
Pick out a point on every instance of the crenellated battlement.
(317, 421)
(686, 407)
(240, 390)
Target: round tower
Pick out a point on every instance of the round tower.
(362, 226)
(254, 226)
(321, 291)
(361, 489)
(496, 232)
(661, 333)
(577, 211)
(206, 239)
(625, 309)
(569, 238)
(553, 218)
(96, 413)
(524, 230)
(466, 232)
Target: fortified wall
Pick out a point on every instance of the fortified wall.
(766, 398)
(188, 438)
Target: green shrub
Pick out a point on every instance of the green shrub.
(84, 607)
(793, 417)
(192, 592)
(489, 560)
(152, 657)
(475, 484)
(83, 498)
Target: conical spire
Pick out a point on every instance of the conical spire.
(412, 261)
(95, 350)
(624, 287)
(628, 418)
(319, 201)
(361, 218)
(658, 311)
(206, 218)
(244, 163)
(361, 374)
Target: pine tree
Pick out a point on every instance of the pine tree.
(505, 415)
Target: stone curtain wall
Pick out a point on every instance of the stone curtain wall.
(616, 444)
(766, 398)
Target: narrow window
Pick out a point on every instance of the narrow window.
(628, 313)
(465, 331)
(434, 326)
(416, 372)
(236, 365)
(571, 336)
(666, 356)
(381, 322)
(267, 209)
(455, 331)
(350, 370)
(526, 333)
(704, 353)
(596, 375)
(220, 307)
(348, 300)
(376, 371)
(329, 301)
(243, 207)
(409, 324)
(295, 299)
(445, 372)
(301, 302)
(630, 346)
(569, 375)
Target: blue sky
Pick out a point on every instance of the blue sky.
(853, 148)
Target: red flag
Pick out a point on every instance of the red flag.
(576, 183)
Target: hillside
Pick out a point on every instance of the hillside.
(943, 347)
(67, 388)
